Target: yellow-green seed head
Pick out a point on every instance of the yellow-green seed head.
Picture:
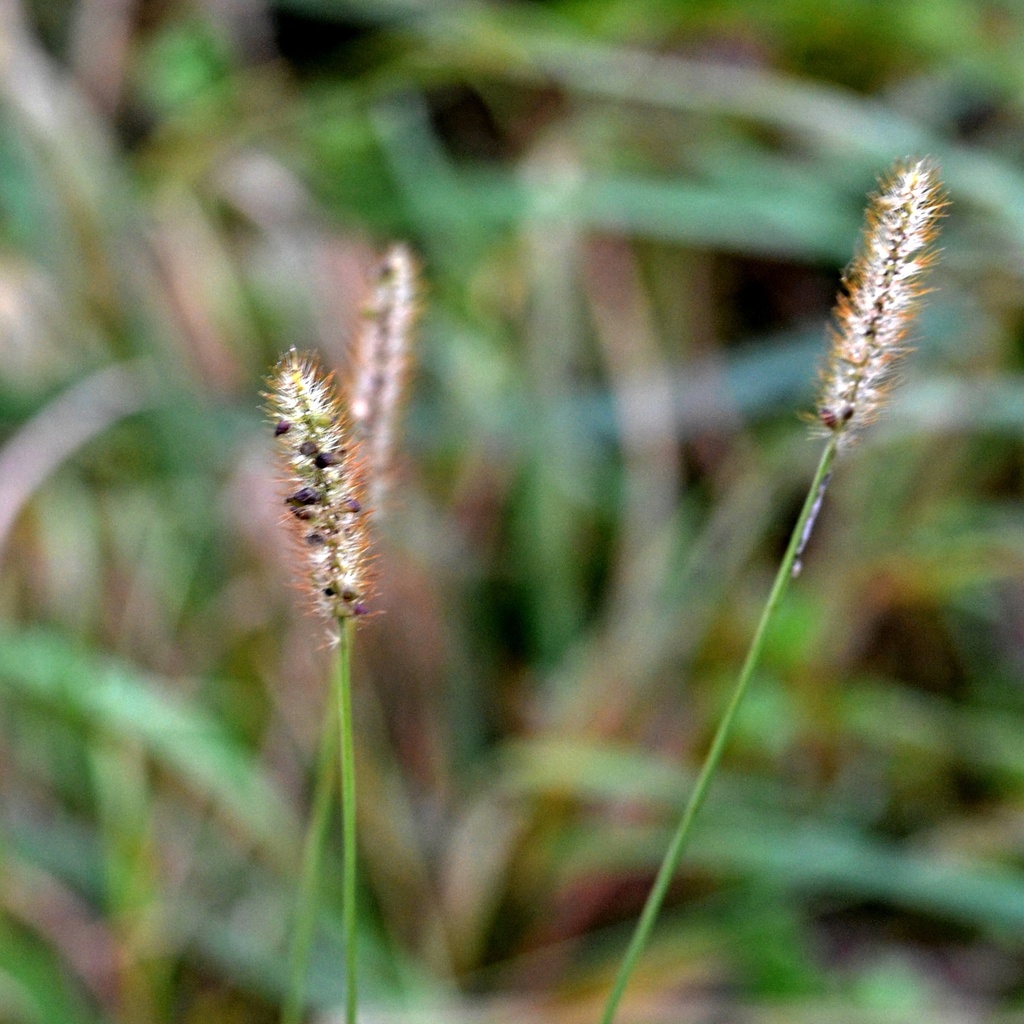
(324, 486)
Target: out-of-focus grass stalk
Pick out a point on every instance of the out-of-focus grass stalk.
(119, 777)
(337, 738)
(312, 856)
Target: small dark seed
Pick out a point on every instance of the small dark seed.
(305, 496)
(302, 513)
(329, 591)
(283, 426)
(314, 539)
(352, 505)
(308, 448)
(359, 609)
(349, 595)
(325, 459)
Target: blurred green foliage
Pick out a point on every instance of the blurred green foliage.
(631, 218)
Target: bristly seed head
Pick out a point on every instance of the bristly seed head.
(880, 297)
(381, 365)
(323, 492)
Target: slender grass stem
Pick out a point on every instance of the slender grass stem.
(343, 692)
(312, 856)
(700, 789)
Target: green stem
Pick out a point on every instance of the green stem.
(312, 854)
(348, 815)
(700, 789)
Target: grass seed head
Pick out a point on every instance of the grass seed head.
(382, 364)
(881, 295)
(324, 485)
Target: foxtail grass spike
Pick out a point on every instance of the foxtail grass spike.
(381, 365)
(324, 485)
(881, 293)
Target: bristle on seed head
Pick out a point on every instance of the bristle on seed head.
(880, 297)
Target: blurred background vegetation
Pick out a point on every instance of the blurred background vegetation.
(631, 218)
